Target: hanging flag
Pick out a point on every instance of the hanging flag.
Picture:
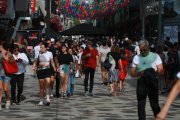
(33, 6)
(3, 6)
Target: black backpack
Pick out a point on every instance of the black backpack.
(107, 64)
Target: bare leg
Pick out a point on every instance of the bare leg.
(41, 87)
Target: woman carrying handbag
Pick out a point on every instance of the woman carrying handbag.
(5, 78)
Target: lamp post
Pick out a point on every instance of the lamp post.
(142, 10)
(160, 22)
(47, 18)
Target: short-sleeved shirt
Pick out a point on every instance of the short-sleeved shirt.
(36, 50)
(149, 61)
(91, 61)
(65, 59)
(44, 58)
(79, 57)
(103, 51)
(53, 51)
(116, 57)
(178, 75)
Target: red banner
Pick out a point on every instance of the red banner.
(3, 6)
(33, 6)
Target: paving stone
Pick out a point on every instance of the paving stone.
(78, 107)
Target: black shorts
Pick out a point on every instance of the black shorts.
(52, 72)
(44, 73)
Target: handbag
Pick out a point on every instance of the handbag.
(122, 74)
(10, 67)
(107, 64)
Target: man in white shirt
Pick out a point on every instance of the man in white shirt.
(145, 66)
(18, 78)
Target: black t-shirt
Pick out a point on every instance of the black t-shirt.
(53, 50)
(116, 57)
(65, 58)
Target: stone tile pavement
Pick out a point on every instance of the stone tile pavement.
(79, 107)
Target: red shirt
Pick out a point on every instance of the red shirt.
(91, 61)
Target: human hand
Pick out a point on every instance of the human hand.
(19, 60)
(71, 70)
(34, 69)
(88, 55)
(58, 70)
(160, 116)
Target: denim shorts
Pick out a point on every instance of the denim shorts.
(65, 69)
(5, 79)
(113, 75)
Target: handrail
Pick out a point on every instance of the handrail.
(18, 24)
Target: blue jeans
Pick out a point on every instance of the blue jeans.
(71, 83)
(5, 79)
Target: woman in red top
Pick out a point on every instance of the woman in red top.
(123, 65)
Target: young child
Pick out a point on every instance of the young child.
(123, 65)
(71, 80)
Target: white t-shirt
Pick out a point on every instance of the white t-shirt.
(36, 50)
(150, 61)
(22, 65)
(79, 57)
(178, 75)
(137, 50)
(45, 58)
(103, 51)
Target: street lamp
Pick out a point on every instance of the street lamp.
(142, 10)
(160, 22)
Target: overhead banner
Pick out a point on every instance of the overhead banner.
(33, 6)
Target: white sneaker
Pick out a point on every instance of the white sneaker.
(51, 94)
(47, 102)
(41, 102)
(8, 104)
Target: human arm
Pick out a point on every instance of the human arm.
(160, 69)
(53, 64)
(172, 95)
(24, 59)
(134, 72)
(159, 66)
(97, 60)
(34, 66)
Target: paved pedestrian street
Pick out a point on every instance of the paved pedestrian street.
(80, 107)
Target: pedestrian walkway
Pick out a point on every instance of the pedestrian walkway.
(80, 107)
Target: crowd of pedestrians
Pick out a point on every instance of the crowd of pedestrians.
(61, 62)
